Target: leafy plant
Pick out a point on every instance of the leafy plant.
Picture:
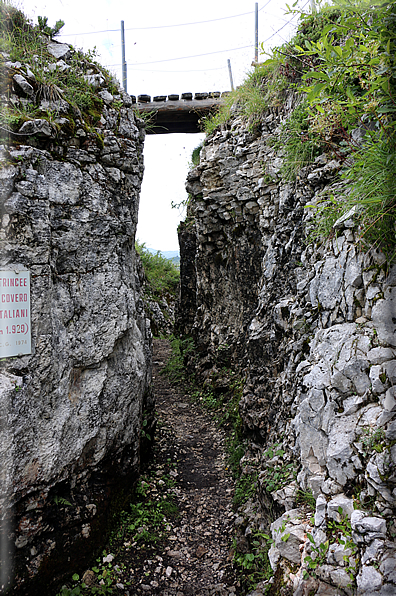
(276, 475)
(351, 88)
(319, 553)
(254, 565)
(61, 501)
(341, 532)
(245, 488)
(140, 527)
(372, 440)
(195, 156)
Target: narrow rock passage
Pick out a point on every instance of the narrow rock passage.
(196, 556)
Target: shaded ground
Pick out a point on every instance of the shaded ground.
(194, 557)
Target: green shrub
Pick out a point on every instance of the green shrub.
(300, 145)
(162, 274)
(352, 85)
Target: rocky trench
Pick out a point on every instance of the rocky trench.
(310, 328)
(195, 554)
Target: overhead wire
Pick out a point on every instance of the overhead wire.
(283, 26)
(188, 57)
(234, 16)
(195, 55)
(175, 71)
(219, 51)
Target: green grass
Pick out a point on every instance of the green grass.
(175, 367)
(372, 180)
(263, 88)
(162, 274)
(299, 144)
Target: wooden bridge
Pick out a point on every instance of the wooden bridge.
(174, 113)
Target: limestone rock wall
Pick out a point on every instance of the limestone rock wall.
(71, 412)
(312, 329)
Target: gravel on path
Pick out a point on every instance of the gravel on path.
(196, 557)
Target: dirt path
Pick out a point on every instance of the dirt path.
(195, 558)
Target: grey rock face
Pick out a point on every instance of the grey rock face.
(71, 411)
(36, 127)
(59, 50)
(312, 330)
(23, 84)
(384, 317)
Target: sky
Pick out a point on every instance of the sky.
(172, 46)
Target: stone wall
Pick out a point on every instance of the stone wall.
(71, 412)
(312, 329)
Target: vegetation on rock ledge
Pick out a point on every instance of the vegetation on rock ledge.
(62, 92)
(342, 60)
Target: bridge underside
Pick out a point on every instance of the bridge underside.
(183, 116)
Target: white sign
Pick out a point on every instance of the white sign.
(15, 331)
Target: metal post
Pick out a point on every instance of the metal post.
(124, 66)
(313, 5)
(256, 34)
(230, 73)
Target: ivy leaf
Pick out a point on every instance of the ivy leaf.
(311, 538)
(315, 91)
(338, 50)
(315, 74)
(349, 43)
(349, 93)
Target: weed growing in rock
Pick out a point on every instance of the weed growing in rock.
(319, 554)
(245, 488)
(195, 156)
(372, 440)
(175, 367)
(300, 144)
(305, 497)
(140, 528)
(324, 214)
(340, 533)
(56, 90)
(254, 565)
(263, 88)
(277, 473)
